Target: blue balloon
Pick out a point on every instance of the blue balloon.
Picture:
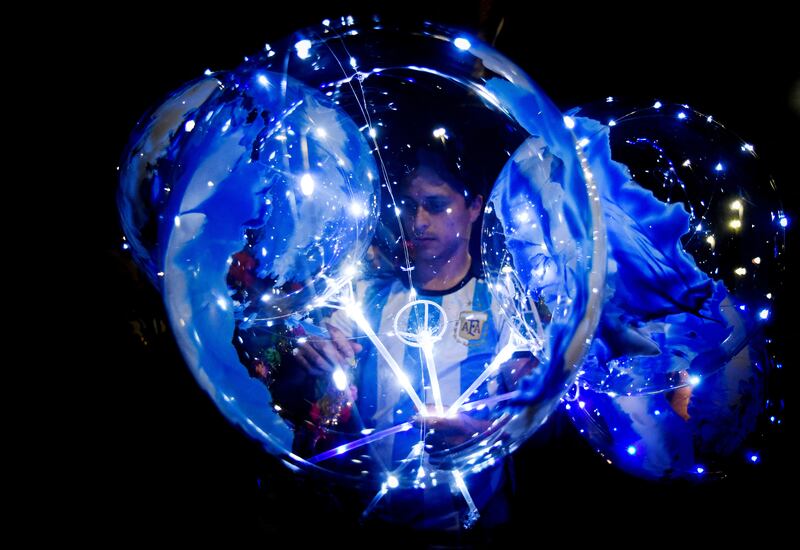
(674, 383)
(696, 241)
(272, 173)
(271, 209)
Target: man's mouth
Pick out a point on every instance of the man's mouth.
(423, 242)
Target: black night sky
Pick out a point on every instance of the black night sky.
(167, 465)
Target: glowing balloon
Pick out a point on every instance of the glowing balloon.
(288, 223)
(696, 236)
(674, 384)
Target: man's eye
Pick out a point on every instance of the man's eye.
(436, 207)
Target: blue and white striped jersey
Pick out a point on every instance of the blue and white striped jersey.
(472, 334)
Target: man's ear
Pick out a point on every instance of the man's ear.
(475, 208)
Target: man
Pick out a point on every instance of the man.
(438, 214)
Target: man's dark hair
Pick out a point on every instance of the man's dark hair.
(451, 170)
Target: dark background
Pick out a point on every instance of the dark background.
(157, 458)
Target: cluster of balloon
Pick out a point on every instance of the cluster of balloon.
(266, 204)
(263, 201)
(676, 382)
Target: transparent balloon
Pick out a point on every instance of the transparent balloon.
(696, 241)
(319, 205)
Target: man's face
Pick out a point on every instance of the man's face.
(436, 218)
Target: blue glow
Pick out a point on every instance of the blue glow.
(742, 307)
(681, 115)
(783, 221)
(631, 450)
(763, 314)
(462, 44)
(700, 470)
(772, 419)
(754, 458)
(719, 167)
(657, 105)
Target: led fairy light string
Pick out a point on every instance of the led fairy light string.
(393, 478)
(346, 302)
(354, 312)
(343, 299)
(504, 355)
(393, 482)
(361, 101)
(473, 515)
(405, 426)
(425, 338)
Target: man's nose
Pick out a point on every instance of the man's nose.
(422, 220)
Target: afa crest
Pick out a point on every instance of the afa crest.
(470, 326)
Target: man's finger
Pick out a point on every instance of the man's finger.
(342, 344)
(305, 364)
(316, 361)
(329, 351)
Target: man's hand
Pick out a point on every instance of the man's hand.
(323, 355)
(443, 433)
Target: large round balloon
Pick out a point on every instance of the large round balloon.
(310, 203)
(696, 237)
